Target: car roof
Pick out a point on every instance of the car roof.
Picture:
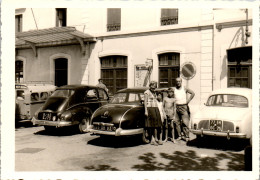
(35, 87)
(133, 89)
(233, 90)
(76, 86)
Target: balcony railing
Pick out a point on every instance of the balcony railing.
(169, 20)
(114, 27)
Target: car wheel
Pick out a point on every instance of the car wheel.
(49, 128)
(145, 136)
(199, 140)
(84, 124)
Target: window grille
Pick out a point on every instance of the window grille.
(169, 69)
(114, 72)
(113, 19)
(169, 17)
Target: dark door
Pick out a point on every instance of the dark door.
(61, 72)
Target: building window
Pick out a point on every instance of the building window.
(61, 17)
(169, 69)
(114, 73)
(61, 72)
(240, 67)
(113, 19)
(18, 23)
(169, 16)
(18, 71)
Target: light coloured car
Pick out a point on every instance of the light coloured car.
(227, 113)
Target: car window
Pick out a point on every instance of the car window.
(119, 98)
(91, 94)
(20, 94)
(227, 100)
(34, 97)
(102, 94)
(43, 95)
(63, 93)
(133, 97)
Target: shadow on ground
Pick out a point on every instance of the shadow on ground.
(23, 124)
(189, 161)
(101, 168)
(63, 131)
(116, 142)
(219, 143)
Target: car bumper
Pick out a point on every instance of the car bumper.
(220, 134)
(52, 123)
(118, 132)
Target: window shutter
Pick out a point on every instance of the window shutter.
(113, 15)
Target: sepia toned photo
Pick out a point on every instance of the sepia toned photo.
(107, 90)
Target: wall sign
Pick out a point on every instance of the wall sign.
(188, 70)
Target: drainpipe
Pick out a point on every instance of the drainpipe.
(247, 33)
(213, 76)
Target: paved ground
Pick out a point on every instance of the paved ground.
(66, 150)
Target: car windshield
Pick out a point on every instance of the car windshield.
(227, 100)
(120, 98)
(63, 93)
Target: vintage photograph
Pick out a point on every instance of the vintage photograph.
(116, 88)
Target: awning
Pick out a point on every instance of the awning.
(52, 37)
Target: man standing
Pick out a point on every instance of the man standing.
(101, 85)
(182, 108)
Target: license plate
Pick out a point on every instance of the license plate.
(215, 125)
(46, 116)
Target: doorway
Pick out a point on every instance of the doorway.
(61, 72)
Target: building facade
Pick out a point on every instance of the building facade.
(126, 47)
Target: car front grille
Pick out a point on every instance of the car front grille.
(226, 125)
(204, 124)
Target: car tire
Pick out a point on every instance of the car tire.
(199, 140)
(84, 124)
(145, 136)
(248, 158)
(49, 128)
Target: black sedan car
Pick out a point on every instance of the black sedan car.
(122, 116)
(70, 105)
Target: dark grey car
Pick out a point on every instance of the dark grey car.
(71, 105)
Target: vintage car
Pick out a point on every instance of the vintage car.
(122, 116)
(70, 105)
(227, 113)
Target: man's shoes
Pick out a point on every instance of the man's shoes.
(154, 143)
(179, 138)
(160, 142)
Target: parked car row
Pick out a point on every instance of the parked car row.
(227, 112)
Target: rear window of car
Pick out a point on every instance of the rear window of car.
(227, 100)
(127, 97)
(63, 93)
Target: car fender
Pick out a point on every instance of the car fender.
(246, 125)
(133, 118)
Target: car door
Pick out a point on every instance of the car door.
(91, 99)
